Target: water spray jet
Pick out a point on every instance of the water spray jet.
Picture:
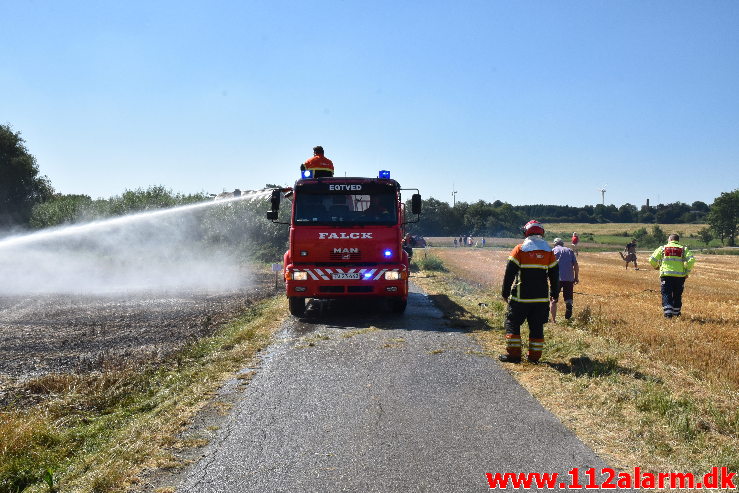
(174, 249)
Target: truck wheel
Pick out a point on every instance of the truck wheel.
(397, 305)
(297, 306)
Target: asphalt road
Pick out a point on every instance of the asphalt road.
(363, 400)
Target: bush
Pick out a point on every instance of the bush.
(706, 235)
(650, 240)
(640, 234)
(66, 209)
(60, 209)
(658, 236)
(430, 263)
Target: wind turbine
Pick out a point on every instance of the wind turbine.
(603, 194)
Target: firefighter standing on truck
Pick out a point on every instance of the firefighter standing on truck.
(530, 283)
(674, 262)
(320, 165)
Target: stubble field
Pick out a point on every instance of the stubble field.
(49, 334)
(617, 228)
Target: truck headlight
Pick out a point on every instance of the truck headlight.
(392, 275)
(300, 276)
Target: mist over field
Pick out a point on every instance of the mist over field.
(161, 251)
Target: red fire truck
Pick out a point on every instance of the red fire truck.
(346, 240)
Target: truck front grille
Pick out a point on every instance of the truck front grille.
(360, 289)
(345, 257)
(346, 289)
(331, 289)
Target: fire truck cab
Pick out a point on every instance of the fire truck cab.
(346, 239)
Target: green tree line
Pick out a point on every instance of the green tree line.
(502, 219)
(65, 209)
(673, 213)
(239, 226)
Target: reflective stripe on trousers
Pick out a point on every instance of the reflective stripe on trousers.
(672, 294)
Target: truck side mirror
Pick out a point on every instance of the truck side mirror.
(275, 200)
(416, 203)
(274, 205)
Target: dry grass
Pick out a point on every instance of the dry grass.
(704, 340)
(617, 228)
(641, 390)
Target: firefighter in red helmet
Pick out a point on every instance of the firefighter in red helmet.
(531, 281)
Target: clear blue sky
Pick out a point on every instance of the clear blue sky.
(523, 101)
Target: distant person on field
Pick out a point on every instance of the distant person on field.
(629, 254)
(674, 262)
(483, 242)
(569, 275)
(455, 243)
(320, 165)
(575, 241)
(530, 283)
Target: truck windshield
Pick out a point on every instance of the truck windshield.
(316, 208)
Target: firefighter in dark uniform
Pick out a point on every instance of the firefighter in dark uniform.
(320, 165)
(530, 283)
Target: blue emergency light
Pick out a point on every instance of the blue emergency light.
(384, 174)
(388, 253)
(307, 174)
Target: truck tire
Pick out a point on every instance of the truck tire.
(398, 305)
(297, 306)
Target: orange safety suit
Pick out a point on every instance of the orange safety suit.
(319, 163)
(531, 279)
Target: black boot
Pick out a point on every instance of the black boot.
(507, 358)
(568, 311)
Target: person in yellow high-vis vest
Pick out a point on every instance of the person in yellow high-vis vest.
(674, 261)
